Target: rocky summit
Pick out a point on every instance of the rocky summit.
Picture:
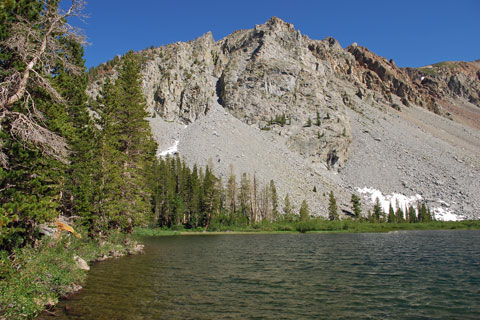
(316, 117)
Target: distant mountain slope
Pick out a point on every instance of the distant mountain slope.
(271, 102)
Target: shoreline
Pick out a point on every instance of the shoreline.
(321, 228)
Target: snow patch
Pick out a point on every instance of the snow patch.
(446, 215)
(398, 200)
(172, 150)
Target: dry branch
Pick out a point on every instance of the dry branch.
(28, 131)
(38, 45)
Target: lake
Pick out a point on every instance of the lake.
(397, 275)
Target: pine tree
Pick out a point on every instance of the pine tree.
(35, 41)
(431, 215)
(232, 192)
(370, 216)
(253, 199)
(304, 211)
(170, 211)
(399, 214)
(264, 205)
(377, 211)
(106, 205)
(210, 198)
(245, 197)
(356, 206)
(412, 215)
(391, 214)
(332, 207)
(34, 184)
(31, 191)
(273, 192)
(127, 150)
(157, 201)
(194, 190)
(80, 132)
(287, 209)
(422, 212)
(405, 215)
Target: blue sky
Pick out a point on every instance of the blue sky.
(413, 33)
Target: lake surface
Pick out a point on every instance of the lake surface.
(399, 275)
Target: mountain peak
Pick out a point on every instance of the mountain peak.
(276, 22)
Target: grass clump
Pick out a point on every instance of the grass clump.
(429, 71)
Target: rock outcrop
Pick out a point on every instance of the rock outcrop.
(179, 82)
(259, 75)
(274, 72)
(437, 87)
(383, 76)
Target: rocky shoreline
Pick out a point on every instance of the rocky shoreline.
(114, 254)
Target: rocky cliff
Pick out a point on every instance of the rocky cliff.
(437, 87)
(259, 76)
(311, 115)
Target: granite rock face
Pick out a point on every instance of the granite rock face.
(273, 72)
(259, 75)
(178, 81)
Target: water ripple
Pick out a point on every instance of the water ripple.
(404, 275)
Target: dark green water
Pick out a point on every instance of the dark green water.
(401, 275)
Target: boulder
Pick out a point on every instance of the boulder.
(81, 264)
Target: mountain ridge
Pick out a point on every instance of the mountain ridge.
(334, 102)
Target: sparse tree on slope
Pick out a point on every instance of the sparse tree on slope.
(391, 214)
(412, 215)
(377, 211)
(304, 211)
(232, 192)
(244, 197)
(399, 214)
(356, 206)
(288, 209)
(264, 204)
(332, 207)
(273, 191)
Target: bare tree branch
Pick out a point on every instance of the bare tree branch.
(29, 50)
(3, 159)
(38, 45)
(28, 131)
